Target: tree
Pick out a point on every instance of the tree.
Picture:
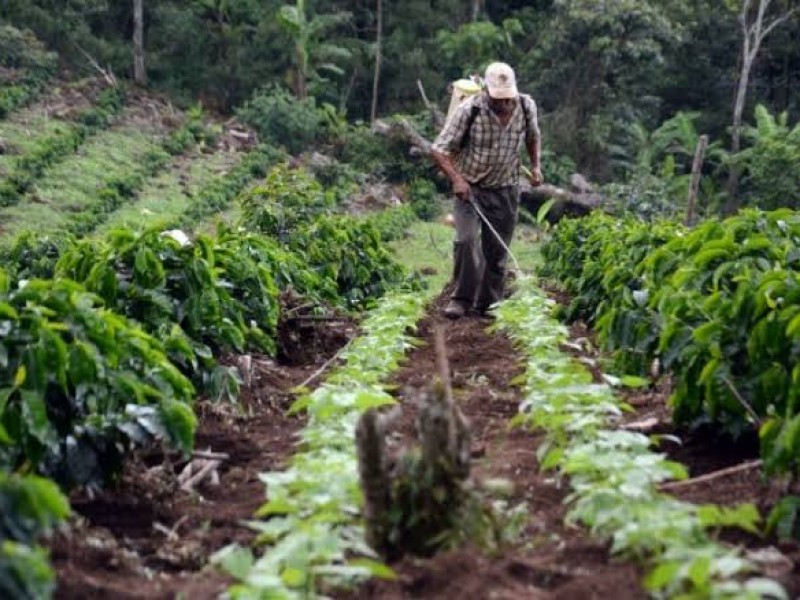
(139, 73)
(594, 67)
(755, 27)
(373, 113)
(311, 52)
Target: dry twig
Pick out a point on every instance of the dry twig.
(676, 485)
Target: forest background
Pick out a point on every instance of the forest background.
(625, 87)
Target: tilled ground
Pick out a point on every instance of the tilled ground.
(148, 539)
(555, 561)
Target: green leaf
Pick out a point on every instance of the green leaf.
(181, 423)
(663, 575)
(34, 414)
(376, 569)
(20, 376)
(234, 560)
(293, 577)
(632, 381)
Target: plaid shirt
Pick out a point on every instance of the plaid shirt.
(490, 157)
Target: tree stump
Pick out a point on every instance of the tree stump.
(411, 503)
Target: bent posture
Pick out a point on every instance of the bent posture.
(478, 150)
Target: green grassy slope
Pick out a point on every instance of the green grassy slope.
(165, 197)
(71, 186)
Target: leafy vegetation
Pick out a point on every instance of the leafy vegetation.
(310, 519)
(614, 474)
(29, 167)
(28, 67)
(717, 306)
(294, 209)
(80, 385)
(30, 506)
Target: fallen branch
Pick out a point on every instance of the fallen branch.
(641, 426)
(208, 455)
(327, 318)
(676, 485)
(108, 75)
(209, 467)
(321, 370)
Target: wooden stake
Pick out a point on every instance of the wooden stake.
(676, 485)
(697, 167)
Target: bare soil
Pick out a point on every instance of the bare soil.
(148, 538)
(555, 561)
(117, 547)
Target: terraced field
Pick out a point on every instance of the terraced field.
(227, 350)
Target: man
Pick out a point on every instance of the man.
(478, 150)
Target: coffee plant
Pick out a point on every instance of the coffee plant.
(29, 507)
(80, 386)
(718, 306)
(615, 476)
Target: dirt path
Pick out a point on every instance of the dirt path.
(119, 552)
(122, 545)
(555, 561)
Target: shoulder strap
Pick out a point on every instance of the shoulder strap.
(525, 112)
(473, 114)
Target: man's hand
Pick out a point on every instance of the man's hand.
(535, 176)
(461, 189)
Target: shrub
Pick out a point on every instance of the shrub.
(771, 164)
(81, 385)
(281, 119)
(424, 199)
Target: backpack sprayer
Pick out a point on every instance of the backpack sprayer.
(461, 90)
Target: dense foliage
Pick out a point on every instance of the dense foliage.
(614, 475)
(80, 385)
(25, 67)
(594, 71)
(294, 209)
(719, 306)
(29, 507)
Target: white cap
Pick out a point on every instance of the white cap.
(501, 83)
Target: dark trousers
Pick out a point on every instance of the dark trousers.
(479, 259)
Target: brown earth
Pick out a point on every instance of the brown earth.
(555, 561)
(148, 538)
(116, 550)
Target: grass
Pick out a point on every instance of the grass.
(70, 186)
(428, 249)
(22, 133)
(167, 196)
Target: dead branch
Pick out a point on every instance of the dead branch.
(107, 74)
(568, 203)
(641, 426)
(205, 469)
(208, 455)
(676, 485)
(321, 370)
(437, 118)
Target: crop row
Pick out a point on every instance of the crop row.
(614, 475)
(28, 168)
(115, 191)
(83, 375)
(311, 525)
(718, 306)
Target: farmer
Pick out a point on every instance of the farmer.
(478, 150)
